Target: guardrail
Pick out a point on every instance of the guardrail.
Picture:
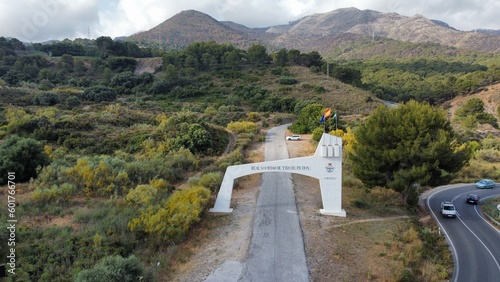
(492, 219)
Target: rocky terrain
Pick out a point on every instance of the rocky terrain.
(317, 31)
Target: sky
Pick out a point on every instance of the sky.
(42, 20)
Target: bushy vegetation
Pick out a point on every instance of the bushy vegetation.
(47, 99)
(127, 162)
(473, 113)
(484, 162)
(115, 269)
(171, 220)
(99, 94)
(309, 120)
(420, 254)
(424, 72)
(22, 156)
(489, 207)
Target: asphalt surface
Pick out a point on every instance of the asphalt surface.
(276, 252)
(474, 242)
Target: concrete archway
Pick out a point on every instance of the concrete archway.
(325, 165)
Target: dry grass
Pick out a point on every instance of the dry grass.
(342, 97)
(355, 248)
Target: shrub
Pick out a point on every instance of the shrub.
(277, 70)
(45, 85)
(73, 102)
(242, 127)
(314, 69)
(211, 180)
(22, 156)
(385, 196)
(99, 175)
(173, 220)
(121, 64)
(62, 193)
(182, 159)
(53, 174)
(160, 87)
(125, 81)
(287, 80)
(318, 133)
(319, 89)
(99, 93)
(47, 99)
(142, 194)
(115, 269)
(488, 155)
(490, 143)
(253, 117)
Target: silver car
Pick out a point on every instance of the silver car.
(485, 184)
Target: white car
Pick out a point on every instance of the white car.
(448, 209)
(294, 138)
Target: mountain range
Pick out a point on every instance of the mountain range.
(318, 32)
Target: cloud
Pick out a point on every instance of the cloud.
(40, 20)
(31, 20)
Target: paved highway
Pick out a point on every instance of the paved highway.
(276, 252)
(474, 242)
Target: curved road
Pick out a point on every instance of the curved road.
(474, 242)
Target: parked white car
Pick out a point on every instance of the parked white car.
(294, 138)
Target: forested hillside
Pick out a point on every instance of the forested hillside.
(400, 71)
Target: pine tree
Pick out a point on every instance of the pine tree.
(403, 148)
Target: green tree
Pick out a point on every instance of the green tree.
(308, 119)
(21, 156)
(124, 82)
(281, 57)
(171, 74)
(67, 63)
(346, 74)
(293, 56)
(474, 107)
(311, 59)
(231, 59)
(105, 45)
(79, 67)
(257, 55)
(402, 148)
(120, 64)
(199, 138)
(191, 62)
(471, 107)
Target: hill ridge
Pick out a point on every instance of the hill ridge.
(306, 33)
